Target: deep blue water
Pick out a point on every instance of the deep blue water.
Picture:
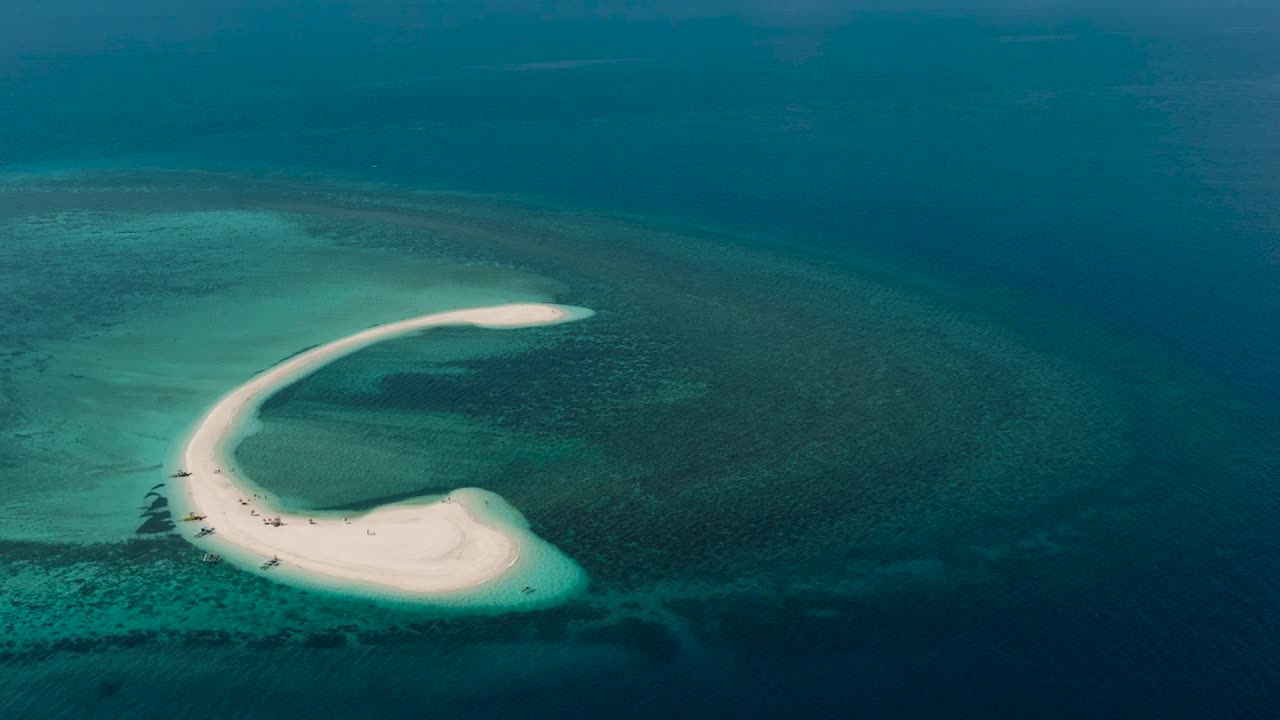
(1102, 184)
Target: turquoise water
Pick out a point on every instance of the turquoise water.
(933, 371)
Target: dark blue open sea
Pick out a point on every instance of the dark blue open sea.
(935, 371)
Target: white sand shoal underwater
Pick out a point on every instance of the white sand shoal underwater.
(415, 548)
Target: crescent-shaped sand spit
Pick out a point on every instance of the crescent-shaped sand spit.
(443, 550)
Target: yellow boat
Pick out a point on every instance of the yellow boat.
(191, 517)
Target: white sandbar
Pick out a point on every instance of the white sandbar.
(422, 548)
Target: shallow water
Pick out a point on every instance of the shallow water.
(909, 393)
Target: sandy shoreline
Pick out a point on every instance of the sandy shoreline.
(410, 548)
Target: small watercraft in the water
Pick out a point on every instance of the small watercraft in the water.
(212, 558)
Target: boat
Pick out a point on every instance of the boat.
(274, 561)
(191, 517)
(212, 558)
(180, 473)
(205, 531)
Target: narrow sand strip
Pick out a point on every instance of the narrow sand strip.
(425, 548)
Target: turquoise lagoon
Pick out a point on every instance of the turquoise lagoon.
(618, 438)
(736, 436)
(933, 370)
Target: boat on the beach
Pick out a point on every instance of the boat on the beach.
(205, 531)
(191, 517)
(180, 473)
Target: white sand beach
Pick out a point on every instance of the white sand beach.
(409, 548)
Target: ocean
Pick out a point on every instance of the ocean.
(933, 372)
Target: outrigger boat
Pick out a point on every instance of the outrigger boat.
(181, 473)
(192, 517)
(205, 531)
(274, 561)
(212, 558)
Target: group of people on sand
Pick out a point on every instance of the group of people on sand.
(276, 521)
